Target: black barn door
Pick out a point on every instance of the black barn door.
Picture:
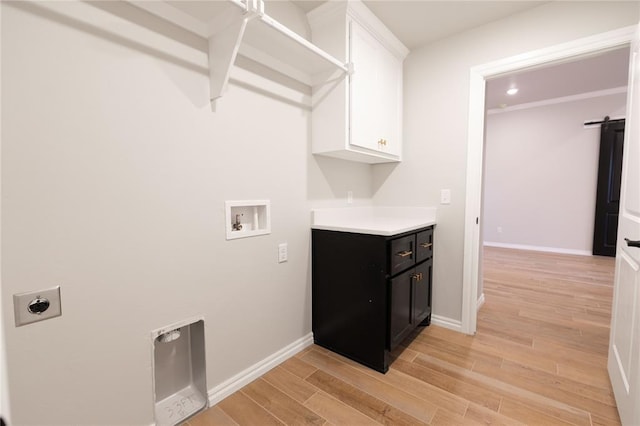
(608, 193)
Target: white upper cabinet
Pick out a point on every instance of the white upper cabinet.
(359, 118)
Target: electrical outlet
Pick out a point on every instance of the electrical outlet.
(36, 306)
(499, 229)
(349, 197)
(283, 252)
(445, 196)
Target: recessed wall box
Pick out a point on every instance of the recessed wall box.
(247, 218)
(179, 373)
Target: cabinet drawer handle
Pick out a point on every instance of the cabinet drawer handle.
(426, 245)
(382, 142)
(404, 253)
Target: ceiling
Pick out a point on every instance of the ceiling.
(604, 71)
(419, 22)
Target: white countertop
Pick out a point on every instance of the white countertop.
(384, 221)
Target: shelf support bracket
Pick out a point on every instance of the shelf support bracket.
(223, 49)
(350, 68)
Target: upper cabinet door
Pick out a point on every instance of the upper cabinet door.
(375, 94)
(390, 106)
(365, 88)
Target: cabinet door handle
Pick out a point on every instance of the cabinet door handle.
(404, 253)
(417, 277)
(426, 245)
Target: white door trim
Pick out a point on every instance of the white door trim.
(475, 144)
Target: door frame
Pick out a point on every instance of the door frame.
(475, 145)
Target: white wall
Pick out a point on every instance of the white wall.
(115, 172)
(436, 107)
(541, 169)
(5, 413)
(114, 176)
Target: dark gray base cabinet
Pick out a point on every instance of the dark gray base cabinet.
(369, 292)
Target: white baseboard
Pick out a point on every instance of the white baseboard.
(538, 248)
(445, 322)
(480, 301)
(245, 377)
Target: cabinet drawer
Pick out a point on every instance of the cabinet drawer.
(424, 245)
(402, 254)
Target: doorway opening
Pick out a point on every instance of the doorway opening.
(571, 51)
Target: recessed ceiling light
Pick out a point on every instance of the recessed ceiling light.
(512, 91)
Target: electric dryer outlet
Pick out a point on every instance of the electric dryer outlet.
(36, 306)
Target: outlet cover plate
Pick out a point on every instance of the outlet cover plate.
(283, 252)
(21, 306)
(445, 196)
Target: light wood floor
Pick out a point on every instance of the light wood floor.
(539, 358)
